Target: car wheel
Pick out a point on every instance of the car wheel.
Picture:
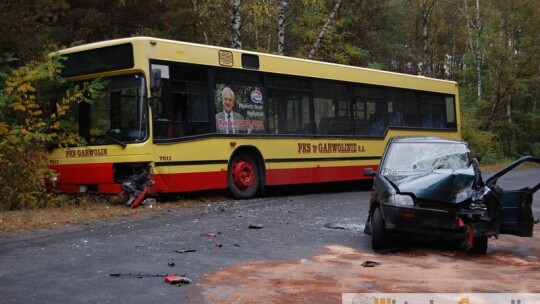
(243, 176)
(378, 230)
(480, 245)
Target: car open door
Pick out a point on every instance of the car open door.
(516, 215)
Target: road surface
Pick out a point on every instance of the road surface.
(290, 247)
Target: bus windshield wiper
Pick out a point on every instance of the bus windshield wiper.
(117, 141)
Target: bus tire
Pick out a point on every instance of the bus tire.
(243, 176)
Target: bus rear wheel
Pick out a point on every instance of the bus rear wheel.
(243, 176)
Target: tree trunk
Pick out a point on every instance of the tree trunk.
(474, 28)
(205, 34)
(281, 27)
(426, 12)
(236, 24)
(324, 29)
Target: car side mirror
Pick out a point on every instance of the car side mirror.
(369, 172)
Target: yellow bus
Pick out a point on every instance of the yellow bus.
(193, 117)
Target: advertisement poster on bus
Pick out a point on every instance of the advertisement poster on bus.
(240, 109)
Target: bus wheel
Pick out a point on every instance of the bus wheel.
(243, 176)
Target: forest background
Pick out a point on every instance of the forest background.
(490, 47)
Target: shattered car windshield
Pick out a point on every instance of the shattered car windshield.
(414, 157)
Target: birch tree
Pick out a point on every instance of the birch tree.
(236, 24)
(281, 27)
(474, 30)
(324, 29)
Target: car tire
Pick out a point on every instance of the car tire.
(480, 245)
(243, 176)
(378, 230)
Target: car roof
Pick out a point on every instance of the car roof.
(424, 139)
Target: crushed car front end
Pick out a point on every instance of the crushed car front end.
(431, 186)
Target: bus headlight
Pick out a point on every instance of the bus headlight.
(402, 200)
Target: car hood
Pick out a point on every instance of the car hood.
(448, 186)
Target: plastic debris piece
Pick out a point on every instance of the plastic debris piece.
(142, 275)
(370, 264)
(256, 226)
(139, 197)
(335, 226)
(185, 250)
(210, 234)
(219, 245)
(176, 280)
(149, 203)
(171, 264)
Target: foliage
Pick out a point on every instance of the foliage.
(25, 129)
(491, 48)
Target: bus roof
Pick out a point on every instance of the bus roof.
(179, 51)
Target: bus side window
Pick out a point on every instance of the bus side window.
(427, 121)
(377, 124)
(433, 120)
(395, 119)
(324, 125)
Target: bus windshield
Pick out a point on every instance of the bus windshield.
(116, 116)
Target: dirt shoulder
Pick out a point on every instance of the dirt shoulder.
(511, 265)
(84, 209)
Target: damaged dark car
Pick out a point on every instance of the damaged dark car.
(431, 186)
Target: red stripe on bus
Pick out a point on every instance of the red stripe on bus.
(101, 175)
(185, 182)
(76, 188)
(314, 175)
(84, 174)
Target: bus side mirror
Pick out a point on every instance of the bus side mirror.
(155, 80)
(369, 172)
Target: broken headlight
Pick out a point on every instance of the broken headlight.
(463, 195)
(478, 198)
(478, 205)
(402, 200)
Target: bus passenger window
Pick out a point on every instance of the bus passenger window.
(289, 112)
(395, 119)
(377, 124)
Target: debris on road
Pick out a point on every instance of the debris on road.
(370, 264)
(149, 203)
(184, 250)
(177, 280)
(142, 275)
(256, 226)
(137, 186)
(335, 226)
(210, 234)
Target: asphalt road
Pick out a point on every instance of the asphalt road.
(72, 264)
